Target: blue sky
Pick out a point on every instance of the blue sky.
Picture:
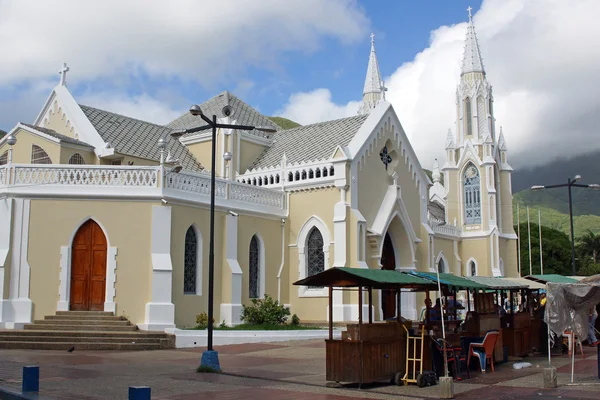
(307, 60)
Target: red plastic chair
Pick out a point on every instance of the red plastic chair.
(484, 349)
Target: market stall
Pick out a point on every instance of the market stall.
(535, 312)
(367, 352)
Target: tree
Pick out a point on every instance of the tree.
(556, 250)
(590, 245)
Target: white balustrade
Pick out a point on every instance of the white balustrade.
(257, 195)
(3, 175)
(84, 175)
(195, 183)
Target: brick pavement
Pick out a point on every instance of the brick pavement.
(289, 370)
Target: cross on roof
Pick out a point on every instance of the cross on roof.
(63, 74)
(372, 37)
(469, 10)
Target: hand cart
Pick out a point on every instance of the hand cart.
(415, 356)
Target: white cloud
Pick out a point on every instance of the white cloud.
(201, 41)
(541, 56)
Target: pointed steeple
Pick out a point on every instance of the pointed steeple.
(374, 89)
(435, 172)
(501, 141)
(450, 140)
(472, 60)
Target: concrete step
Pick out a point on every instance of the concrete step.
(99, 313)
(74, 327)
(81, 322)
(78, 346)
(78, 317)
(121, 334)
(66, 338)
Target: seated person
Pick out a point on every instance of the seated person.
(435, 313)
(424, 310)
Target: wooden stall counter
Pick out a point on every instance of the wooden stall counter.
(479, 324)
(517, 333)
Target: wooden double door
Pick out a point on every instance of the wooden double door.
(88, 268)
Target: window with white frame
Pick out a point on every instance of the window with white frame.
(441, 267)
(472, 195)
(39, 156)
(190, 261)
(254, 269)
(76, 159)
(4, 158)
(473, 268)
(315, 257)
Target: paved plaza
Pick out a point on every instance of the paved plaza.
(288, 370)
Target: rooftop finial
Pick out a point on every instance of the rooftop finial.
(372, 38)
(470, 16)
(63, 74)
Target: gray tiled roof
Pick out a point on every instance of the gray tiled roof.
(310, 142)
(436, 210)
(137, 138)
(243, 114)
(54, 134)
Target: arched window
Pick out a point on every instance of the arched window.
(468, 116)
(472, 196)
(4, 158)
(473, 268)
(39, 156)
(190, 262)
(76, 159)
(315, 257)
(441, 267)
(254, 269)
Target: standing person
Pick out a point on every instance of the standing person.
(592, 340)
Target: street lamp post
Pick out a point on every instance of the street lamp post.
(570, 183)
(210, 358)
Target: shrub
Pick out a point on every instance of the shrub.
(202, 320)
(295, 320)
(265, 312)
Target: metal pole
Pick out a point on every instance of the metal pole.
(211, 249)
(572, 234)
(519, 238)
(529, 238)
(541, 257)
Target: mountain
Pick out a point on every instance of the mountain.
(284, 122)
(556, 220)
(585, 201)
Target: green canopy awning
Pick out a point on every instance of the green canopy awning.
(451, 281)
(374, 278)
(554, 278)
(497, 283)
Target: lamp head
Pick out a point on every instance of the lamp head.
(162, 143)
(267, 129)
(178, 133)
(11, 140)
(195, 110)
(577, 178)
(537, 187)
(594, 186)
(227, 156)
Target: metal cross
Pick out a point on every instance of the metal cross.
(372, 37)
(63, 74)
(385, 157)
(469, 10)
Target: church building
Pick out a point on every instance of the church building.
(100, 211)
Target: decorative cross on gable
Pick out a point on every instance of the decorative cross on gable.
(385, 157)
(469, 10)
(63, 74)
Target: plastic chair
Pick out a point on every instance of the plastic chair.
(569, 336)
(454, 355)
(484, 351)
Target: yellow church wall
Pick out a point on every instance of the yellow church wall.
(507, 203)
(58, 121)
(508, 252)
(54, 222)
(269, 233)
(22, 150)
(248, 153)
(126, 159)
(478, 249)
(304, 205)
(445, 247)
(203, 153)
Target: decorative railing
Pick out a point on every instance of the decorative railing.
(29, 176)
(442, 227)
(291, 175)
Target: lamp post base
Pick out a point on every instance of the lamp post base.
(210, 360)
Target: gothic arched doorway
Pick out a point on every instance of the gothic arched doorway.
(88, 268)
(388, 262)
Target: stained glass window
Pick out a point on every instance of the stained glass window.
(441, 266)
(472, 195)
(315, 257)
(473, 268)
(190, 262)
(254, 270)
(39, 156)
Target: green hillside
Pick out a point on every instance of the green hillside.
(556, 220)
(2, 133)
(284, 122)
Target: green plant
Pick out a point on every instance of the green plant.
(295, 320)
(202, 320)
(223, 324)
(265, 312)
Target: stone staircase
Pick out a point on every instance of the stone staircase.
(84, 330)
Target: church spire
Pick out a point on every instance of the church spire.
(472, 60)
(374, 90)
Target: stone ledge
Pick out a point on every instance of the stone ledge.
(7, 394)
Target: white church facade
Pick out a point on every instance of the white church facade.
(99, 211)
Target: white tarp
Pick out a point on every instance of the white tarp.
(568, 306)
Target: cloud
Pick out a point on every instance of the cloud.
(542, 58)
(201, 41)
